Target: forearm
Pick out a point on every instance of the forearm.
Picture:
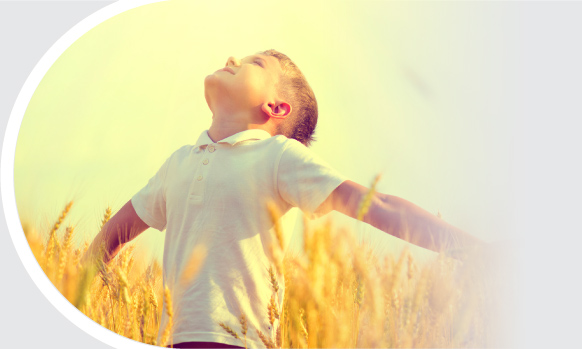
(409, 222)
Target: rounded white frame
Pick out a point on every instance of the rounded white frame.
(7, 174)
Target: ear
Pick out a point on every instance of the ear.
(279, 109)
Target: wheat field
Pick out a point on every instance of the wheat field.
(338, 294)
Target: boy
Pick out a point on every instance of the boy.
(215, 193)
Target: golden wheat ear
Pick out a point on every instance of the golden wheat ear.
(65, 252)
(229, 330)
(266, 341)
(106, 217)
(53, 244)
(243, 324)
(61, 218)
(367, 200)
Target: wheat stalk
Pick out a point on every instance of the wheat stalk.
(106, 217)
(367, 200)
(244, 326)
(61, 218)
(334, 288)
(170, 312)
(266, 341)
(229, 330)
(65, 252)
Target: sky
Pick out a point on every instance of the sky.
(422, 93)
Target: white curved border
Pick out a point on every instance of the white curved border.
(7, 174)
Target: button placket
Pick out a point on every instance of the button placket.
(211, 148)
(198, 185)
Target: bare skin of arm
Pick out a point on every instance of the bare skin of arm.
(123, 227)
(400, 218)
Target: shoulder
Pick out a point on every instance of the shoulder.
(281, 141)
(280, 144)
(291, 145)
(295, 151)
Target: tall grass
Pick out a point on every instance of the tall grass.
(337, 294)
(119, 298)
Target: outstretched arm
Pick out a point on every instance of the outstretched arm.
(410, 222)
(399, 218)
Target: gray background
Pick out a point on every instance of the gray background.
(27, 30)
(548, 171)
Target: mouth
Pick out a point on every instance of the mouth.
(227, 69)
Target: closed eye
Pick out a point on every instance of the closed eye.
(258, 63)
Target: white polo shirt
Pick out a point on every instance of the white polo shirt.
(215, 193)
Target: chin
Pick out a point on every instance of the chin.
(209, 78)
(212, 82)
(209, 85)
(207, 97)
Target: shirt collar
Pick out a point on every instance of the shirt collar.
(254, 134)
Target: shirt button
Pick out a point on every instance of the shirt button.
(199, 178)
(205, 162)
(211, 148)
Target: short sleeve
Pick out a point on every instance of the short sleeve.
(150, 202)
(304, 180)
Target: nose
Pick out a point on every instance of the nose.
(232, 61)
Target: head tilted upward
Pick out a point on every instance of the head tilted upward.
(266, 91)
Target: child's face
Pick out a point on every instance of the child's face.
(243, 84)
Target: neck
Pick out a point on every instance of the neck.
(224, 126)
